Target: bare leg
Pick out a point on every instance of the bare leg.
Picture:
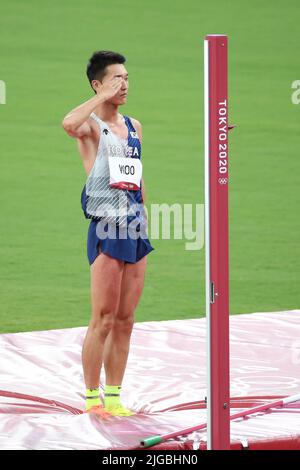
(106, 277)
(117, 345)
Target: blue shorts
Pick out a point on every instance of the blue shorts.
(127, 249)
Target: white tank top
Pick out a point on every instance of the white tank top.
(103, 201)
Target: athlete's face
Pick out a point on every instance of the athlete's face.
(113, 71)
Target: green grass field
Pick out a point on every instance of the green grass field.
(44, 51)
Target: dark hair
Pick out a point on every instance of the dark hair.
(99, 61)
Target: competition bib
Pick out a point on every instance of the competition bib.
(125, 173)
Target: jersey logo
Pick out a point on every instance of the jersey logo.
(105, 131)
(134, 135)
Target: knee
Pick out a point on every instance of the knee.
(124, 323)
(103, 322)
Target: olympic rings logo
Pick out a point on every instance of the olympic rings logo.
(223, 180)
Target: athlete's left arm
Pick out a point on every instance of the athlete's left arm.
(138, 127)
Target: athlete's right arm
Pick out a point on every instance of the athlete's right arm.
(75, 123)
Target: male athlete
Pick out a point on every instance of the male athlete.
(108, 143)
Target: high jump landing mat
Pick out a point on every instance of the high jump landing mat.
(42, 387)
